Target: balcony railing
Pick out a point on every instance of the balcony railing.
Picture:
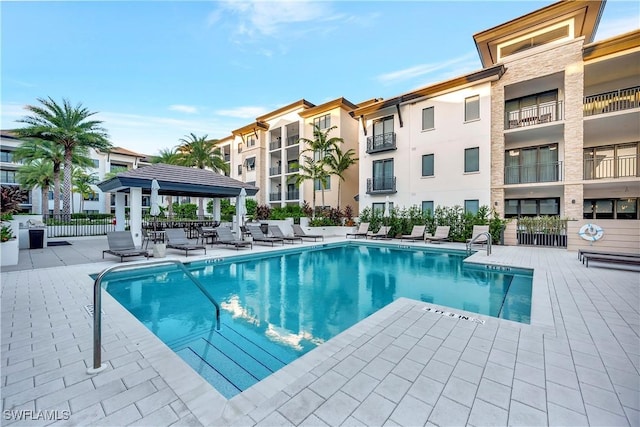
(381, 185)
(614, 167)
(382, 142)
(539, 172)
(275, 197)
(617, 100)
(293, 139)
(291, 168)
(293, 194)
(274, 145)
(534, 115)
(277, 170)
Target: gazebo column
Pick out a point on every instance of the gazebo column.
(120, 204)
(216, 209)
(135, 214)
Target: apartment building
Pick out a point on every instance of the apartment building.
(429, 147)
(565, 115)
(9, 168)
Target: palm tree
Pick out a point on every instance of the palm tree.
(37, 149)
(82, 182)
(339, 162)
(311, 170)
(201, 153)
(69, 127)
(168, 156)
(38, 173)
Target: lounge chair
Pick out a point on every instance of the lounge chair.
(382, 233)
(299, 232)
(361, 231)
(441, 235)
(226, 237)
(276, 232)
(259, 236)
(121, 244)
(477, 230)
(417, 233)
(610, 257)
(177, 239)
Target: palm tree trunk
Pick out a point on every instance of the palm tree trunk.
(66, 184)
(313, 214)
(339, 193)
(56, 192)
(44, 208)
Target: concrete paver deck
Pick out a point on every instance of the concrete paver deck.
(578, 363)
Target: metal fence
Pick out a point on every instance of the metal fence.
(542, 231)
(65, 226)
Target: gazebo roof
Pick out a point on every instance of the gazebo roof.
(177, 181)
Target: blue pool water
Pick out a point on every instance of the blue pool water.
(276, 307)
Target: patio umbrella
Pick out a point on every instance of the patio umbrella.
(241, 209)
(155, 207)
(385, 214)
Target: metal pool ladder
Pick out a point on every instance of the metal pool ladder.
(472, 241)
(98, 366)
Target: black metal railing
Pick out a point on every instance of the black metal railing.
(381, 185)
(274, 197)
(276, 170)
(293, 194)
(293, 139)
(608, 102)
(614, 167)
(62, 225)
(538, 172)
(274, 145)
(534, 115)
(382, 142)
(542, 231)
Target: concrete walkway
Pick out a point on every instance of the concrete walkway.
(577, 364)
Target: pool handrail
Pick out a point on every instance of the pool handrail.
(472, 241)
(97, 305)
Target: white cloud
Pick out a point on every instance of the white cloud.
(428, 69)
(617, 26)
(247, 112)
(183, 108)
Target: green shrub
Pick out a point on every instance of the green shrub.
(6, 233)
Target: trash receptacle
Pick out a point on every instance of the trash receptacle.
(36, 239)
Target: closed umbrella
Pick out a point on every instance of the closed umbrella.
(241, 209)
(155, 206)
(386, 208)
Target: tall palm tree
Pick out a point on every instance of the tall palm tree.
(71, 128)
(82, 182)
(38, 173)
(168, 156)
(339, 162)
(311, 170)
(37, 149)
(203, 154)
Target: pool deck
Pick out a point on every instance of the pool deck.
(578, 363)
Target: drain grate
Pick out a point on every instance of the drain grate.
(89, 309)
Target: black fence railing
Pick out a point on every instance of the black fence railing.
(382, 142)
(615, 167)
(538, 172)
(293, 139)
(542, 231)
(381, 185)
(77, 225)
(276, 170)
(293, 195)
(534, 115)
(608, 102)
(274, 145)
(275, 197)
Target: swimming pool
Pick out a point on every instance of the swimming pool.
(277, 306)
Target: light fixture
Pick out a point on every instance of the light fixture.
(573, 201)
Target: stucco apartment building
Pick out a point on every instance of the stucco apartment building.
(549, 126)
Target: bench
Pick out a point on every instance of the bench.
(616, 259)
(583, 252)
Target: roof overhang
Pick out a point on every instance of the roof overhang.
(622, 43)
(585, 13)
(168, 188)
(328, 106)
(251, 128)
(303, 103)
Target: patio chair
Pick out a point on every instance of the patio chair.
(477, 230)
(226, 237)
(417, 233)
(362, 231)
(382, 233)
(441, 235)
(206, 234)
(121, 244)
(259, 236)
(277, 232)
(299, 232)
(177, 239)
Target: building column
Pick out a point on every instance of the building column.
(573, 201)
(120, 205)
(215, 207)
(497, 201)
(135, 214)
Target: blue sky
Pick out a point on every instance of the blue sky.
(156, 71)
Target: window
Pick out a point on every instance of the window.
(472, 108)
(240, 148)
(6, 156)
(251, 141)
(96, 163)
(427, 165)
(532, 109)
(383, 128)
(427, 118)
(95, 197)
(610, 209)
(379, 207)
(8, 177)
(116, 168)
(546, 36)
(251, 163)
(323, 122)
(383, 178)
(471, 206)
(472, 159)
(239, 169)
(318, 186)
(531, 207)
(427, 207)
(613, 161)
(534, 164)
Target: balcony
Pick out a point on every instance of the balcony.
(538, 172)
(275, 197)
(534, 115)
(292, 140)
(381, 185)
(382, 142)
(293, 194)
(275, 145)
(292, 168)
(615, 167)
(277, 170)
(608, 102)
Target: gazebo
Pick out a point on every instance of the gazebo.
(173, 181)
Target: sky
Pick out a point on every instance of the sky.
(156, 71)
